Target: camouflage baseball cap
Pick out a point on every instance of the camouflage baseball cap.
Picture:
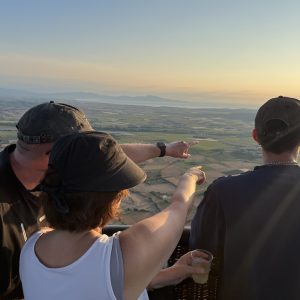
(46, 122)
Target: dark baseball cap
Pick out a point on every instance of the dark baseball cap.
(93, 161)
(47, 122)
(284, 109)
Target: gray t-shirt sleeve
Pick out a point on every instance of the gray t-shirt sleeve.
(116, 268)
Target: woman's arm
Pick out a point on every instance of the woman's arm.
(148, 244)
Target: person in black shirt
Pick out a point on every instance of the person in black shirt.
(23, 165)
(251, 222)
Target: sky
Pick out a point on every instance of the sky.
(220, 51)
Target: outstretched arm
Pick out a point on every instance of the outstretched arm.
(142, 152)
(148, 244)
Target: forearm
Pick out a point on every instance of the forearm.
(173, 218)
(185, 190)
(141, 152)
(165, 228)
(164, 277)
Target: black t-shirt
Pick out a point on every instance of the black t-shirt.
(251, 222)
(21, 215)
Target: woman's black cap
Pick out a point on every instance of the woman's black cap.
(93, 161)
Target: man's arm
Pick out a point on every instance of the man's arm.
(142, 152)
(173, 275)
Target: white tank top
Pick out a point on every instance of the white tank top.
(87, 278)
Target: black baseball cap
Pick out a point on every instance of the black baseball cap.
(47, 122)
(93, 161)
(284, 109)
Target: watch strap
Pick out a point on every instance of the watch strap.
(162, 146)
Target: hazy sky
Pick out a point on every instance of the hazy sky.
(234, 51)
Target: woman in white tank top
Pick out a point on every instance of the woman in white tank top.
(88, 177)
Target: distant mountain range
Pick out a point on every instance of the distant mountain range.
(86, 96)
(34, 97)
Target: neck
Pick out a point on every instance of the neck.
(282, 158)
(28, 171)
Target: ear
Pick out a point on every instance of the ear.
(254, 135)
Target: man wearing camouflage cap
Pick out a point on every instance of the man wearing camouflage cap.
(22, 166)
(251, 221)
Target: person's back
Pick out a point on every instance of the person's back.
(262, 224)
(88, 280)
(251, 221)
(83, 278)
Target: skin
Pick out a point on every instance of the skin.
(30, 163)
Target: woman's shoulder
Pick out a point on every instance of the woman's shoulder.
(105, 239)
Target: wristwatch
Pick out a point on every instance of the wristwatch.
(162, 146)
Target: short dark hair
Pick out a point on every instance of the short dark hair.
(279, 137)
(87, 210)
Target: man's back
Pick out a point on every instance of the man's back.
(253, 221)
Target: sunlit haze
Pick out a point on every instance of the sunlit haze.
(230, 52)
